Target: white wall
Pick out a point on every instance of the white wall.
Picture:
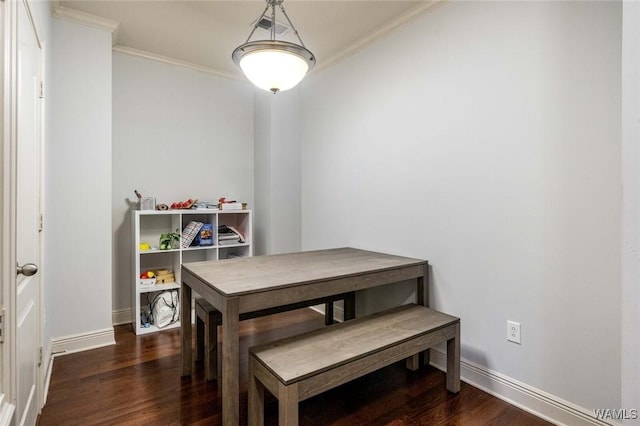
(277, 172)
(631, 202)
(485, 137)
(78, 182)
(262, 174)
(177, 134)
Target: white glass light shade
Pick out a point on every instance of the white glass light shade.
(274, 65)
(273, 70)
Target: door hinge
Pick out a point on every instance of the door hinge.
(41, 96)
(2, 321)
(41, 226)
(40, 357)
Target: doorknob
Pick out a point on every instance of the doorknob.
(27, 269)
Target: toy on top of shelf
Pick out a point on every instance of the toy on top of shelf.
(184, 204)
(224, 204)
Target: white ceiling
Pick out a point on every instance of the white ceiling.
(203, 33)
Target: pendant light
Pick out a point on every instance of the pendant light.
(274, 65)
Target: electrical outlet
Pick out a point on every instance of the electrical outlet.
(513, 331)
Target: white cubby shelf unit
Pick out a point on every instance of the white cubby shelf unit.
(148, 225)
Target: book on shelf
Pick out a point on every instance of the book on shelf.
(189, 233)
(205, 235)
(208, 205)
(226, 233)
(232, 206)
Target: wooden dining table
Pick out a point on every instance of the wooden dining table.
(246, 285)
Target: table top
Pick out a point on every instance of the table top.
(247, 275)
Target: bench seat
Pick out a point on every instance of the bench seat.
(303, 366)
(208, 318)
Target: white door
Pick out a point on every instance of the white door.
(27, 125)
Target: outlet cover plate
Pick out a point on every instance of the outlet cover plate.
(513, 332)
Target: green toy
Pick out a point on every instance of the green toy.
(170, 241)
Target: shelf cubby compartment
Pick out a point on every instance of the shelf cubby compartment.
(145, 298)
(148, 225)
(236, 250)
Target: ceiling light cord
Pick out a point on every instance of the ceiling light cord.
(273, 21)
(272, 5)
(255, 27)
(290, 24)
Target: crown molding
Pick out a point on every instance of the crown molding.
(168, 60)
(83, 18)
(94, 21)
(421, 9)
(105, 24)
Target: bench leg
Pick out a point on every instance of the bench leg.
(256, 398)
(453, 362)
(211, 346)
(328, 313)
(413, 362)
(199, 339)
(426, 357)
(288, 405)
(350, 306)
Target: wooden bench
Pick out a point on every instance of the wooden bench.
(208, 318)
(303, 366)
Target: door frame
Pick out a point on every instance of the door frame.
(8, 216)
(7, 231)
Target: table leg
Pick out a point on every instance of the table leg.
(422, 292)
(230, 363)
(422, 287)
(185, 328)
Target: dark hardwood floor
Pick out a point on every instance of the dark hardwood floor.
(137, 381)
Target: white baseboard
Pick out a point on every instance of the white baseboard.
(537, 402)
(82, 342)
(121, 316)
(6, 411)
(47, 378)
